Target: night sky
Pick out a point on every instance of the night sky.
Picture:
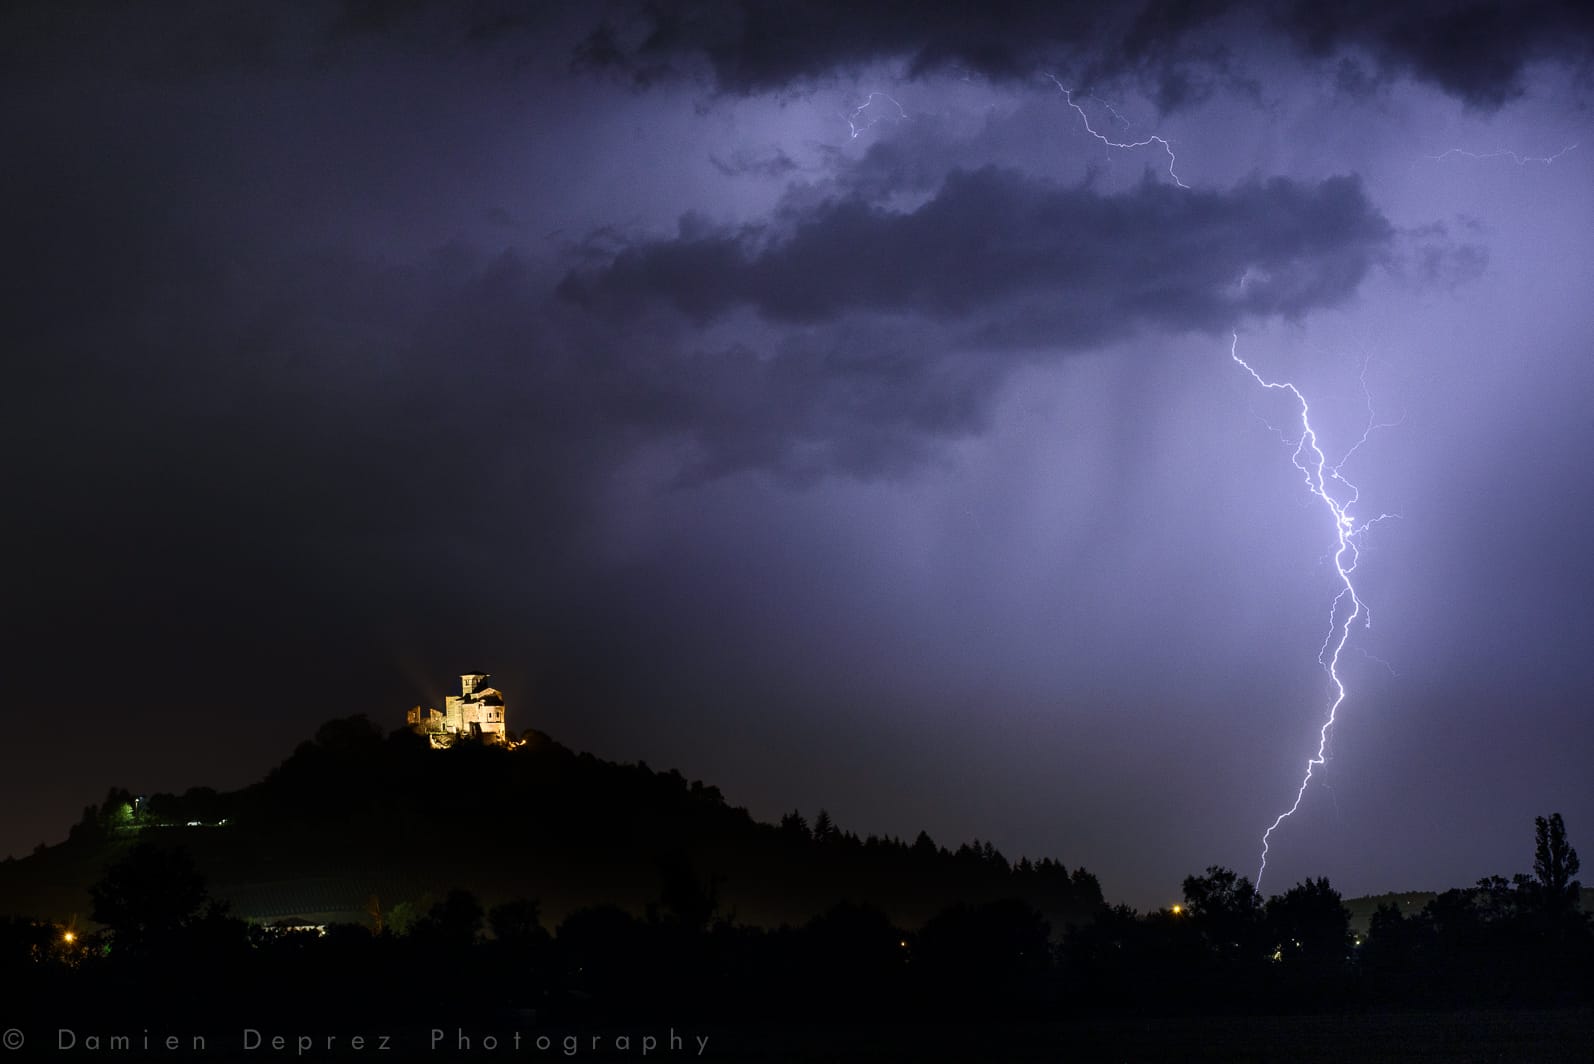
(803, 397)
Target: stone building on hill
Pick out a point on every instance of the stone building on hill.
(476, 712)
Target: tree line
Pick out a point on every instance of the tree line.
(163, 940)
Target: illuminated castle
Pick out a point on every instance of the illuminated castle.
(477, 711)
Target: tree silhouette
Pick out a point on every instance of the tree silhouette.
(148, 898)
(1555, 867)
(520, 953)
(983, 950)
(1397, 948)
(453, 923)
(1309, 927)
(1227, 911)
(683, 897)
(517, 923)
(604, 950)
(852, 954)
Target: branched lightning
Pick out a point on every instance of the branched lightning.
(1122, 121)
(1068, 94)
(1326, 482)
(853, 120)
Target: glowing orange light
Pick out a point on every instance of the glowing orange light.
(1177, 909)
(69, 938)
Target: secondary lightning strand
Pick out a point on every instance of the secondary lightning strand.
(855, 129)
(1068, 94)
(1320, 476)
(1520, 160)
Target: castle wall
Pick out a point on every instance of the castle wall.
(478, 709)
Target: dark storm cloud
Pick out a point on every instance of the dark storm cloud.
(184, 40)
(884, 331)
(1475, 51)
(173, 42)
(477, 23)
(1083, 267)
(1178, 50)
(758, 46)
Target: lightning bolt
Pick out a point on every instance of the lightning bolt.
(1520, 160)
(1068, 94)
(1323, 480)
(1338, 495)
(855, 129)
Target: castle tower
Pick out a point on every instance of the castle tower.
(477, 710)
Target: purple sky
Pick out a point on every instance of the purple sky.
(880, 452)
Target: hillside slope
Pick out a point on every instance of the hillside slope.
(356, 822)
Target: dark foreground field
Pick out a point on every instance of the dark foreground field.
(1497, 1037)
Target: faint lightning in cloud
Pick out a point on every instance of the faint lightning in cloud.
(856, 124)
(1122, 121)
(1068, 94)
(1520, 160)
(1325, 481)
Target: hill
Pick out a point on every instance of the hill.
(357, 826)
